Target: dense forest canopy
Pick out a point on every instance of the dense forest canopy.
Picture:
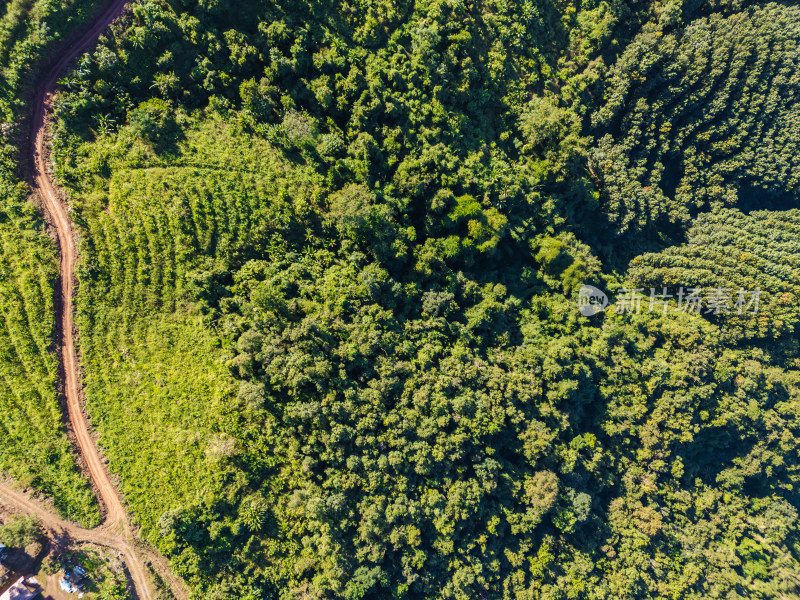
(329, 261)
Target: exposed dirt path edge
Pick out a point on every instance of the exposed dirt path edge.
(115, 512)
(131, 553)
(115, 532)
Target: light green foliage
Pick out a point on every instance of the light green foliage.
(160, 237)
(731, 251)
(35, 447)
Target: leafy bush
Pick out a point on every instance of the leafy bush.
(154, 121)
(20, 531)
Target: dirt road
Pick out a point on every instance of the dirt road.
(97, 536)
(115, 532)
(132, 553)
(115, 513)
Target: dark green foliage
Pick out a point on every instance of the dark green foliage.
(417, 441)
(28, 30)
(154, 122)
(21, 531)
(701, 117)
(731, 251)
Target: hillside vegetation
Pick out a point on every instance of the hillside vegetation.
(156, 380)
(35, 448)
(329, 258)
(731, 251)
(700, 118)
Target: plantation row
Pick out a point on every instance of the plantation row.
(357, 437)
(35, 448)
(326, 317)
(158, 240)
(164, 238)
(702, 117)
(144, 255)
(731, 250)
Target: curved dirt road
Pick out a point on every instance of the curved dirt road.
(115, 513)
(96, 536)
(115, 532)
(131, 553)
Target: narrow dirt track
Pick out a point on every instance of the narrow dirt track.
(115, 532)
(115, 513)
(131, 553)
